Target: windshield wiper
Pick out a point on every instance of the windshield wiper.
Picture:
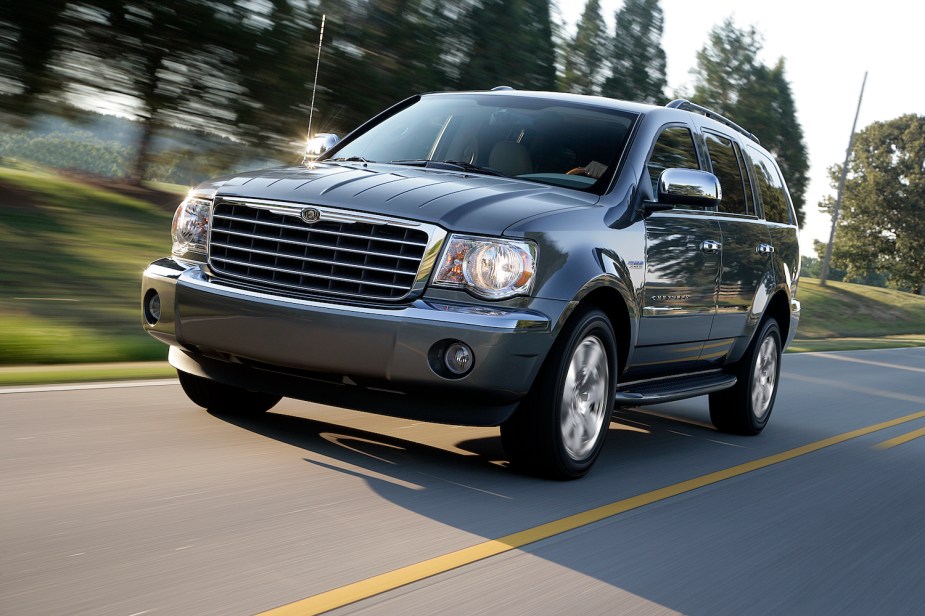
(449, 165)
(348, 159)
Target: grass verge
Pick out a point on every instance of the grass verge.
(84, 373)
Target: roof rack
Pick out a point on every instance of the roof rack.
(686, 105)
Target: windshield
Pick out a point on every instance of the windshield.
(548, 141)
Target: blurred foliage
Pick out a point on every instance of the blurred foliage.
(881, 227)
(510, 44)
(638, 61)
(584, 54)
(731, 80)
(243, 69)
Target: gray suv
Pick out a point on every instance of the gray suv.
(521, 259)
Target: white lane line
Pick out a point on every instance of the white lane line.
(725, 443)
(639, 423)
(870, 391)
(177, 496)
(872, 363)
(681, 434)
(83, 386)
(814, 353)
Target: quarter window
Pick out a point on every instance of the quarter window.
(774, 196)
(674, 148)
(725, 156)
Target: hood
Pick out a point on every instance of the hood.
(454, 200)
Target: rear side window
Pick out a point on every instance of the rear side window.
(771, 188)
(674, 148)
(728, 168)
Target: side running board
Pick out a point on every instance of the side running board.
(656, 391)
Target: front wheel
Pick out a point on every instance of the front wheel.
(223, 398)
(746, 407)
(559, 429)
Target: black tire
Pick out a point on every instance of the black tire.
(559, 429)
(225, 399)
(746, 407)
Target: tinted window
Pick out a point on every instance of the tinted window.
(545, 140)
(674, 148)
(726, 159)
(771, 188)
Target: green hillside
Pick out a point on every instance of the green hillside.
(842, 315)
(70, 278)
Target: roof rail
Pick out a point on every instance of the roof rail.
(686, 105)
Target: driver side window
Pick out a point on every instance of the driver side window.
(674, 148)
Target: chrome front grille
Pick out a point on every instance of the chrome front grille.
(343, 254)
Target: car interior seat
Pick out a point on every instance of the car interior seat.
(510, 158)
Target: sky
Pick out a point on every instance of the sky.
(827, 47)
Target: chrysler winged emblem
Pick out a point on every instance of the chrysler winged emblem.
(310, 215)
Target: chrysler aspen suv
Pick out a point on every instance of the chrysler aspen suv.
(522, 259)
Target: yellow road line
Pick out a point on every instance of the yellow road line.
(370, 587)
(899, 440)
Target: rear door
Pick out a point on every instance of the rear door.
(778, 212)
(745, 237)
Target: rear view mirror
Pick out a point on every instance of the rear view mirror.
(688, 187)
(319, 144)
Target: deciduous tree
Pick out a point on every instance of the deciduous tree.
(882, 223)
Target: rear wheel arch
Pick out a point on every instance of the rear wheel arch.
(779, 310)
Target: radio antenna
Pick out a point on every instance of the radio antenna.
(311, 109)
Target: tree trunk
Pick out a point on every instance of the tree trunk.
(143, 154)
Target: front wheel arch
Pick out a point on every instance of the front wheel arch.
(538, 438)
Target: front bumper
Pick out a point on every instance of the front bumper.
(351, 355)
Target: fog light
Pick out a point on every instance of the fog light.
(458, 358)
(152, 307)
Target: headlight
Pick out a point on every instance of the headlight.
(489, 268)
(190, 229)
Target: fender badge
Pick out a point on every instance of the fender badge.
(310, 215)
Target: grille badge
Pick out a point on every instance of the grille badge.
(310, 215)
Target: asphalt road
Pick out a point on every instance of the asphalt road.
(130, 500)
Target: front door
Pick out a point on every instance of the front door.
(683, 257)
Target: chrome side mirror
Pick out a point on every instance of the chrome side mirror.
(689, 187)
(319, 144)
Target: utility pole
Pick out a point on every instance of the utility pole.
(841, 189)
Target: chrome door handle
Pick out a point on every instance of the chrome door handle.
(710, 247)
(764, 249)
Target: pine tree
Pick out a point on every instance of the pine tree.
(731, 80)
(638, 60)
(511, 44)
(725, 66)
(585, 52)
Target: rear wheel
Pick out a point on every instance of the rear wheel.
(223, 398)
(559, 429)
(746, 407)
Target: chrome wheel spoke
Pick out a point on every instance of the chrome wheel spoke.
(764, 377)
(584, 393)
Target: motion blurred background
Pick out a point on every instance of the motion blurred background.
(111, 109)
